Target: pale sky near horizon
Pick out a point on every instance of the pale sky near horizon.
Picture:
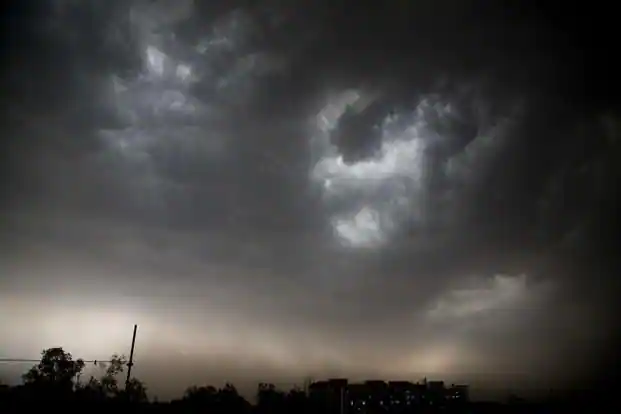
(276, 192)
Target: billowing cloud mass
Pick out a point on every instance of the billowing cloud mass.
(280, 191)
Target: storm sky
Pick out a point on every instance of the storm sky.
(281, 191)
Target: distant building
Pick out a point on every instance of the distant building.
(329, 396)
(405, 393)
(340, 396)
(435, 385)
(318, 387)
(369, 395)
(338, 383)
(357, 397)
(436, 393)
(458, 393)
(319, 393)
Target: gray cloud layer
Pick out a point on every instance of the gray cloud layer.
(178, 165)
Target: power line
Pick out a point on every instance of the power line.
(92, 361)
(18, 360)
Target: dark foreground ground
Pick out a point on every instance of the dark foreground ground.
(24, 399)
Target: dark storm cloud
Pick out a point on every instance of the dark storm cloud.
(190, 154)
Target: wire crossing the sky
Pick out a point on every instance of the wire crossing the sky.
(18, 360)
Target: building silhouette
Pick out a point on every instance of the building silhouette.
(341, 396)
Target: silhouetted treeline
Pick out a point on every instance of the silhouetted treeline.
(57, 382)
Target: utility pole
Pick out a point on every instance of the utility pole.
(130, 364)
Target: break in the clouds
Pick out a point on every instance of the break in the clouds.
(376, 195)
(273, 192)
(375, 188)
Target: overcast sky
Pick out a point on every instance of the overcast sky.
(281, 191)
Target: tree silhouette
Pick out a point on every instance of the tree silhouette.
(135, 391)
(231, 400)
(269, 399)
(204, 395)
(296, 400)
(107, 386)
(201, 398)
(56, 368)
(200, 393)
(272, 400)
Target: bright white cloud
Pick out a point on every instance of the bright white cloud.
(156, 61)
(363, 229)
(396, 159)
(329, 116)
(386, 183)
(392, 183)
(184, 72)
